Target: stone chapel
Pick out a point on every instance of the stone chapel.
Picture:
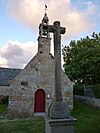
(31, 90)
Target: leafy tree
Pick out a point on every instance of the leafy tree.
(82, 60)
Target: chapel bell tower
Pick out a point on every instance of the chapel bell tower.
(44, 39)
(43, 27)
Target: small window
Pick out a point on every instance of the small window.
(24, 83)
(41, 52)
(36, 69)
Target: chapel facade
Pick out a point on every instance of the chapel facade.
(32, 90)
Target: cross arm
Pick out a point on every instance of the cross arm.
(55, 27)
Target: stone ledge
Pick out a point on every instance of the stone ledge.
(95, 102)
(59, 122)
(60, 125)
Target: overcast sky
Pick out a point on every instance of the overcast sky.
(19, 21)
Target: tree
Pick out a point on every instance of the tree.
(82, 60)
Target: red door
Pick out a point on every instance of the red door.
(39, 101)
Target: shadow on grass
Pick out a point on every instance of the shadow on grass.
(88, 118)
(25, 125)
(88, 121)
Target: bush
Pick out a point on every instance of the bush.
(4, 99)
(79, 89)
(96, 89)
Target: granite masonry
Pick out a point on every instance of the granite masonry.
(32, 89)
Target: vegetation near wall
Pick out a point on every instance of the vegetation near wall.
(96, 89)
(82, 64)
(82, 60)
(79, 89)
(4, 99)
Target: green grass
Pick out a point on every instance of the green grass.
(23, 125)
(3, 108)
(29, 125)
(88, 121)
(88, 118)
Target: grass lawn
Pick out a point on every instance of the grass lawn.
(26, 125)
(2, 108)
(88, 122)
(88, 118)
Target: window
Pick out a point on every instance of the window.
(41, 52)
(24, 83)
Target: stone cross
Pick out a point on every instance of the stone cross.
(57, 30)
(58, 119)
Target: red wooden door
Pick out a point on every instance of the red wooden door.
(39, 101)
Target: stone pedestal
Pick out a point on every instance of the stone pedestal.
(58, 119)
(59, 110)
(60, 125)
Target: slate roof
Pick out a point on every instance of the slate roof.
(7, 74)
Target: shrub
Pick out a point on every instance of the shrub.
(4, 99)
(96, 89)
(79, 89)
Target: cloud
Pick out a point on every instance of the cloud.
(27, 11)
(91, 7)
(3, 62)
(12, 50)
(30, 13)
(16, 54)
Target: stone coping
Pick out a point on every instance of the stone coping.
(94, 102)
(58, 122)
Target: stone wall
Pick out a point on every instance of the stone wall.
(95, 102)
(38, 74)
(5, 90)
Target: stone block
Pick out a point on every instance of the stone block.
(60, 125)
(59, 110)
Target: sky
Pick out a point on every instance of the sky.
(19, 21)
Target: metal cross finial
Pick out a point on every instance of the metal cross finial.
(45, 8)
(43, 27)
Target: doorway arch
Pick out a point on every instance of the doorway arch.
(39, 105)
